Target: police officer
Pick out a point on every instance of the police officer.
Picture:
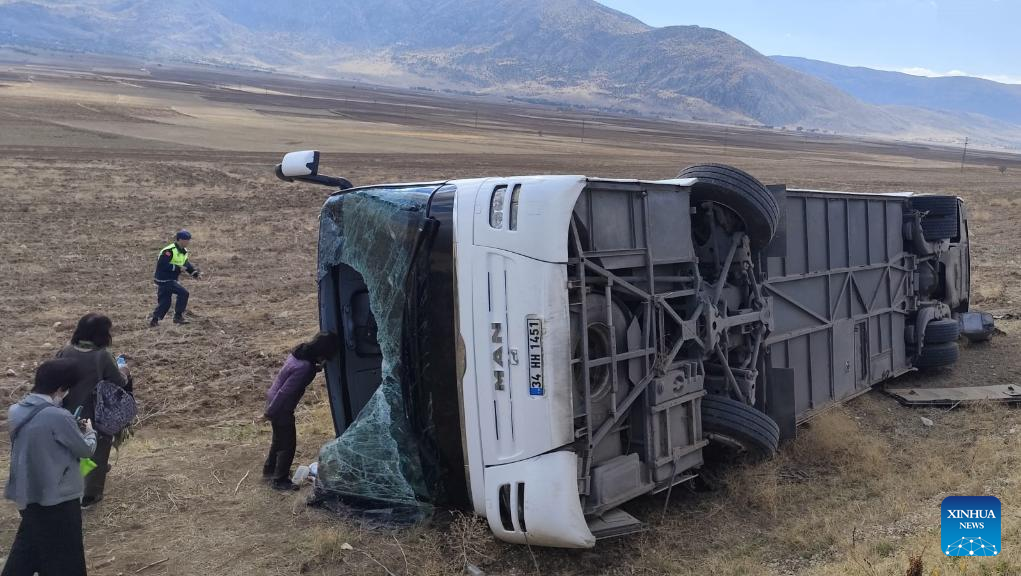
(168, 269)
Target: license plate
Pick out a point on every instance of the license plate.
(536, 387)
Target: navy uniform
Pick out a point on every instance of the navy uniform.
(171, 260)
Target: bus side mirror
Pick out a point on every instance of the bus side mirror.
(299, 164)
(304, 167)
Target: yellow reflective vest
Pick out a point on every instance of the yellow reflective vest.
(178, 257)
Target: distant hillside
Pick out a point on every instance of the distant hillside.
(951, 93)
(567, 51)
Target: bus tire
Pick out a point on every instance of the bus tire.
(599, 321)
(942, 331)
(741, 193)
(938, 356)
(740, 424)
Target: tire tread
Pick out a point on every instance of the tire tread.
(752, 201)
(942, 331)
(759, 433)
(938, 356)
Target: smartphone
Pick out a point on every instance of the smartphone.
(77, 412)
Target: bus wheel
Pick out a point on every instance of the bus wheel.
(740, 192)
(601, 315)
(737, 425)
(942, 331)
(938, 356)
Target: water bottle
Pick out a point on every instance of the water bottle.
(122, 362)
(300, 475)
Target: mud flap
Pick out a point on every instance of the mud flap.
(615, 523)
(780, 400)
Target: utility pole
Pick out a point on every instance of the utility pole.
(964, 156)
(583, 130)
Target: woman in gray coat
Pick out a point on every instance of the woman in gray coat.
(45, 481)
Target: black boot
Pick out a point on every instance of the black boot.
(154, 322)
(178, 319)
(88, 501)
(284, 485)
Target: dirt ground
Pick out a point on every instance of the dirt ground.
(99, 165)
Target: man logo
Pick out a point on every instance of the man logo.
(499, 370)
(970, 526)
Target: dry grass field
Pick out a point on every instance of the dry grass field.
(100, 164)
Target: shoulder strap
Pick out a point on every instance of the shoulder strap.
(100, 377)
(36, 410)
(99, 364)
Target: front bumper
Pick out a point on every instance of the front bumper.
(535, 502)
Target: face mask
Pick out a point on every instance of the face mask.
(58, 398)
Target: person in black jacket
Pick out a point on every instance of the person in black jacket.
(89, 352)
(171, 260)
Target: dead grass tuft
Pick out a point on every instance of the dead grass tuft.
(471, 541)
(758, 487)
(833, 449)
(836, 443)
(915, 566)
(326, 545)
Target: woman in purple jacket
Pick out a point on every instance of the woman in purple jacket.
(282, 399)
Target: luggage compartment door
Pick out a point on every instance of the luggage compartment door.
(844, 359)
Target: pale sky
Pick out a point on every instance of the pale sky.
(927, 37)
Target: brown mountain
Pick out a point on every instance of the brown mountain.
(568, 51)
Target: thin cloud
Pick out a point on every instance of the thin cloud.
(918, 71)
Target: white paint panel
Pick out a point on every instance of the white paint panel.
(509, 289)
(546, 204)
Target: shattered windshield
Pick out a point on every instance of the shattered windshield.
(375, 465)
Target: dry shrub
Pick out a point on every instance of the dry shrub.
(915, 566)
(757, 486)
(836, 443)
(814, 535)
(833, 455)
(469, 541)
(325, 545)
(832, 449)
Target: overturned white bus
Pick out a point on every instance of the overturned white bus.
(543, 349)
